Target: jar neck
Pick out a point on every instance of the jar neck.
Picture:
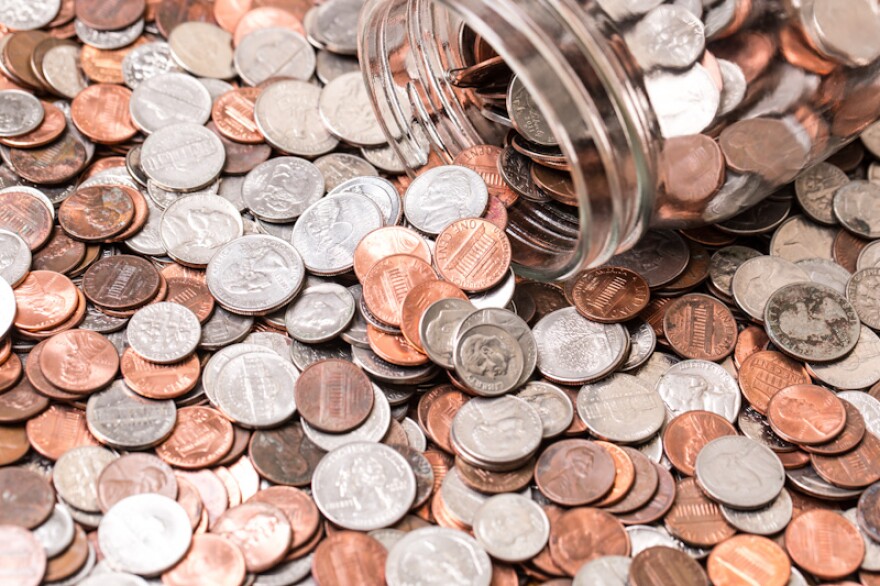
(578, 71)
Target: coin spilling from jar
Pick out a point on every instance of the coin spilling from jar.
(240, 346)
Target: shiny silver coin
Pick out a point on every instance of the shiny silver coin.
(798, 238)
(167, 99)
(347, 112)
(56, 533)
(498, 297)
(392, 374)
(120, 418)
(183, 157)
(319, 313)
(163, 198)
(195, 227)
(20, 113)
(768, 520)
(15, 261)
(815, 190)
(739, 472)
(384, 157)
(287, 115)
(108, 40)
(526, 116)
(304, 355)
(859, 369)
(378, 190)
(443, 195)
(338, 168)
(363, 486)
(255, 390)
(863, 291)
(497, 433)
(513, 325)
(164, 332)
(371, 430)
(273, 52)
(642, 342)
(146, 62)
(511, 527)
(867, 405)
(733, 87)
(224, 328)
(76, 474)
(755, 426)
(621, 408)
(218, 360)
(644, 537)
(806, 480)
(27, 15)
(203, 49)
(757, 279)
(552, 404)
(281, 189)
(826, 272)
(685, 102)
(438, 327)
(148, 242)
(335, 25)
(668, 36)
(330, 65)
(61, 68)
(609, 570)
(693, 385)
(437, 551)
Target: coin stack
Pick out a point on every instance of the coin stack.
(239, 346)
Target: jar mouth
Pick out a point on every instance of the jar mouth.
(581, 76)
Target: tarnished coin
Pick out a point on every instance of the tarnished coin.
(526, 115)
(861, 292)
(855, 206)
(164, 332)
(756, 279)
(347, 112)
(442, 195)
(798, 238)
(700, 385)
(167, 99)
(256, 389)
(147, 61)
(815, 190)
(739, 472)
(183, 157)
(659, 257)
(488, 359)
(438, 551)
(511, 527)
(621, 408)
(498, 433)
(281, 189)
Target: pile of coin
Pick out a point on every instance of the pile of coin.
(251, 351)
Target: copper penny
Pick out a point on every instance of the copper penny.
(796, 50)
(266, 17)
(388, 283)
(28, 498)
(17, 51)
(583, 534)
(171, 13)
(824, 544)
(417, 302)
(793, 460)
(13, 444)
(574, 472)
(848, 439)
(101, 112)
(765, 373)
(105, 65)
(21, 402)
(240, 158)
(624, 474)
(425, 401)
(5, 349)
(79, 361)
(22, 557)
(609, 294)
(440, 462)
(227, 13)
(806, 414)
(285, 455)
(50, 128)
(59, 429)
(10, 373)
(159, 381)
(484, 159)
(654, 313)
(44, 300)
(544, 561)
(661, 566)
(472, 254)
(489, 482)
(385, 242)
(233, 113)
(348, 557)
(696, 271)
(27, 216)
(61, 254)
(856, 468)
(192, 294)
(201, 437)
(141, 214)
(211, 559)
(694, 518)
(699, 326)
(334, 395)
(686, 435)
(261, 531)
(394, 348)
(644, 485)
(750, 341)
(846, 248)
(53, 163)
(121, 282)
(496, 213)
(215, 499)
(71, 322)
(188, 497)
(93, 214)
(135, 474)
(297, 506)
(692, 169)
(241, 438)
(106, 15)
(748, 559)
(440, 414)
(659, 504)
(68, 562)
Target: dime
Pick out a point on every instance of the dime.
(439, 197)
(815, 189)
(16, 263)
(287, 114)
(488, 360)
(526, 116)
(511, 527)
(854, 205)
(553, 405)
(21, 113)
(164, 333)
(768, 520)
(147, 61)
(256, 389)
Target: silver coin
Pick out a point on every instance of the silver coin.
(438, 327)
(371, 430)
(667, 36)
(693, 385)
(515, 169)
(56, 533)
(163, 198)
(526, 115)
(147, 61)
(798, 238)
(621, 408)
(363, 486)
(281, 189)
(62, 72)
(724, 263)
(274, 52)
(15, 258)
(620, 10)
(108, 40)
(855, 206)
(609, 570)
(230, 190)
(203, 49)
(256, 389)
(642, 342)
(414, 435)
(498, 433)
(385, 158)
(183, 157)
(438, 554)
(144, 534)
(329, 230)
(287, 115)
(27, 15)
(100, 322)
(552, 404)
(515, 326)
(575, 350)
(685, 102)
(868, 406)
(733, 88)
(20, 113)
(660, 256)
(347, 112)
(644, 537)
(461, 501)
(815, 190)
(224, 328)
(378, 190)
(195, 227)
(511, 527)
(655, 367)
(286, 573)
(255, 274)
(739, 472)
(768, 520)
(871, 561)
(443, 195)
(498, 297)
(304, 355)
(859, 369)
(218, 360)
(319, 313)
(811, 322)
(869, 257)
(338, 168)
(84, 576)
(862, 290)
(387, 537)
(755, 426)
(330, 65)
(164, 332)
(826, 272)
(148, 242)
(76, 473)
(849, 36)
(808, 481)
(124, 420)
(167, 99)
(336, 24)
(488, 360)
(757, 279)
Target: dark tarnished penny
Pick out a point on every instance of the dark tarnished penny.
(53, 163)
(583, 534)
(61, 254)
(694, 518)
(765, 373)
(574, 472)
(609, 294)
(107, 15)
(868, 513)
(700, 327)
(27, 497)
(334, 395)
(285, 455)
(121, 282)
(663, 566)
(686, 435)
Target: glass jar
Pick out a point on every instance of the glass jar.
(665, 115)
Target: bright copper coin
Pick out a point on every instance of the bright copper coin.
(496, 213)
(644, 485)
(390, 280)
(544, 561)
(228, 13)
(825, 544)
(418, 300)
(609, 294)
(348, 557)
(285, 455)
(692, 169)
(51, 128)
(489, 482)
(201, 437)
(159, 381)
(857, 468)
(28, 498)
(848, 439)
(797, 51)
(93, 214)
(10, 373)
(385, 242)
(694, 518)
(191, 293)
(472, 254)
(484, 159)
(793, 460)
(686, 435)
(438, 419)
(105, 65)
(233, 113)
(68, 562)
(121, 282)
(22, 557)
(334, 395)
(654, 313)
(261, 531)
(131, 474)
(701, 327)
(188, 497)
(748, 559)
(107, 15)
(394, 348)
(765, 373)
(61, 254)
(21, 402)
(138, 221)
(27, 216)
(659, 504)
(266, 17)
(211, 559)
(584, 534)
(298, 507)
(574, 472)
(13, 444)
(425, 401)
(662, 566)
(101, 112)
(806, 414)
(750, 341)
(44, 300)
(624, 474)
(59, 429)
(79, 361)
(5, 349)
(71, 322)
